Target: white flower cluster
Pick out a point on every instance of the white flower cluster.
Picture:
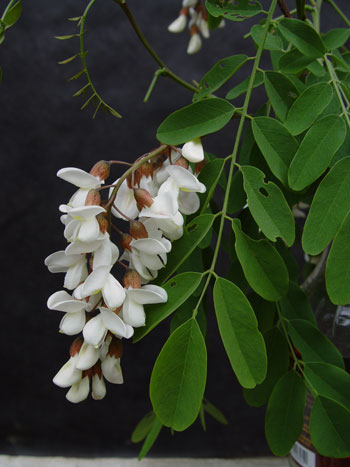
(197, 24)
(152, 199)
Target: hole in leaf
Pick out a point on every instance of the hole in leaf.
(222, 64)
(173, 284)
(192, 228)
(263, 192)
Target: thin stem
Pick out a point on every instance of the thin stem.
(338, 10)
(334, 79)
(153, 83)
(235, 150)
(116, 229)
(167, 71)
(120, 162)
(284, 8)
(137, 164)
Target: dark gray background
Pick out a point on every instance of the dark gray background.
(42, 130)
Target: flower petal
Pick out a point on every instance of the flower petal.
(78, 177)
(72, 323)
(79, 391)
(87, 356)
(150, 246)
(113, 322)
(125, 201)
(111, 370)
(103, 256)
(60, 261)
(94, 331)
(185, 180)
(76, 274)
(68, 374)
(85, 212)
(95, 281)
(113, 293)
(193, 151)
(98, 387)
(133, 313)
(62, 301)
(188, 202)
(148, 294)
(89, 230)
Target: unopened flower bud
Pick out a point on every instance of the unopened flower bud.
(179, 24)
(146, 170)
(195, 42)
(182, 162)
(76, 346)
(193, 151)
(102, 222)
(93, 198)
(204, 27)
(143, 198)
(125, 241)
(101, 170)
(137, 230)
(115, 348)
(200, 166)
(132, 279)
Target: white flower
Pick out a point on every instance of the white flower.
(79, 391)
(124, 201)
(81, 224)
(133, 312)
(74, 319)
(73, 265)
(194, 44)
(96, 328)
(102, 280)
(68, 374)
(111, 369)
(172, 227)
(98, 387)
(106, 254)
(164, 206)
(79, 178)
(204, 28)
(193, 150)
(87, 356)
(178, 25)
(189, 3)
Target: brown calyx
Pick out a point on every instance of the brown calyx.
(76, 346)
(125, 241)
(143, 198)
(93, 198)
(115, 348)
(137, 230)
(101, 170)
(132, 279)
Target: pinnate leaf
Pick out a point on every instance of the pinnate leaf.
(242, 87)
(268, 206)
(277, 145)
(316, 151)
(238, 326)
(179, 289)
(285, 413)
(281, 92)
(262, 265)
(179, 376)
(150, 438)
(336, 38)
(303, 36)
(143, 427)
(219, 74)
(329, 208)
(234, 11)
(195, 120)
(294, 62)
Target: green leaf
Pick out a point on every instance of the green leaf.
(195, 120)
(179, 376)
(329, 381)
(264, 310)
(268, 206)
(242, 87)
(150, 439)
(67, 60)
(82, 90)
(316, 151)
(238, 326)
(237, 11)
(63, 38)
(316, 69)
(293, 62)
(237, 198)
(303, 36)
(336, 38)
(194, 232)
(77, 75)
(178, 288)
(281, 92)
(307, 107)
(219, 74)
(329, 428)
(285, 413)
(263, 267)
(312, 344)
(185, 312)
(277, 145)
(338, 266)
(12, 15)
(210, 176)
(143, 428)
(214, 412)
(295, 305)
(272, 41)
(277, 365)
(329, 208)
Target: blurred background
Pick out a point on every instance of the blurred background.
(42, 130)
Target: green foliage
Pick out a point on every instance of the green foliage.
(303, 36)
(179, 288)
(198, 119)
(242, 87)
(263, 267)
(277, 145)
(316, 151)
(268, 206)
(150, 438)
(210, 176)
(336, 38)
(294, 62)
(179, 376)
(272, 42)
(329, 208)
(12, 15)
(143, 428)
(237, 11)
(295, 305)
(285, 413)
(281, 92)
(338, 266)
(214, 412)
(329, 428)
(219, 74)
(239, 332)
